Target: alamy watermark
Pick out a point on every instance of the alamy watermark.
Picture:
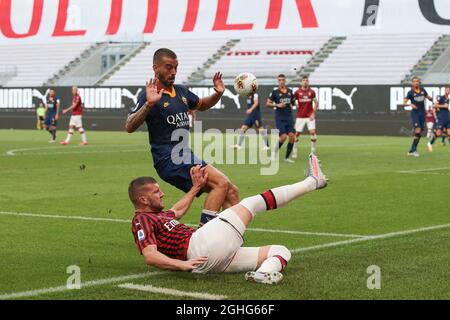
(215, 147)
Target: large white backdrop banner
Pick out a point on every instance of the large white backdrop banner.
(137, 20)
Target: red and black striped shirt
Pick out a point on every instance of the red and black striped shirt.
(161, 229)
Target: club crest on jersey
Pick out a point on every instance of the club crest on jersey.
(140, 234)
(171, 224)
(166, 104)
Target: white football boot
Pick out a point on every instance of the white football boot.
(264, 277)
(315, 171)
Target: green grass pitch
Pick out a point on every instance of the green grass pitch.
(374, 190)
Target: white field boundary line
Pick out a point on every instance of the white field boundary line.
(422, 170)
(113, 149)
(369, 238)
(37, 292)
(84, 218)
(14, 151)
(172, 292)
(92, 283)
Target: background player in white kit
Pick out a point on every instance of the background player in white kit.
(168, 244)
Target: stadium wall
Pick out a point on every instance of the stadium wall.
(343, 110)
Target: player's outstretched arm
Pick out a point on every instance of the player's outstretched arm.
(199, 178)
(139, 113)
(157, 259)
(210, 101)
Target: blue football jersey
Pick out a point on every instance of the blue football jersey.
(417, 98)
(287, 98)
(51, 106)
(166, 116)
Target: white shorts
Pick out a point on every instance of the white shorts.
(221, 241)
(430, 125)
(301, 122)
(76, 121)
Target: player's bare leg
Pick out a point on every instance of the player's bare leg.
(271, 259)
(221, 193)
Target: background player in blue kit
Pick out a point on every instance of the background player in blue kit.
(52, 114)
(442, 114)
(282, 99)
(417, 96)
(253, 119)
(164, 107)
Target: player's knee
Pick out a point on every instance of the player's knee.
(282, 251)
(222, 183)
(233, 192)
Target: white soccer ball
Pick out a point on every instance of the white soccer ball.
(245, 84)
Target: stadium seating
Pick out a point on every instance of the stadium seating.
(36, 63)
(268, 56)
(192, 53)
(373, 59)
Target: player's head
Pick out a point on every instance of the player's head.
(51, 93)
(144, 193)
(305, 82)
(165, 64)
(415, 82)
(281, 80)
(447, 90)
(74, 90)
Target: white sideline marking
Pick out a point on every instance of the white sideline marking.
(172, 292)
(422, 170)
(14, 152)
(33, 293)
(368, 238)
(55, 216)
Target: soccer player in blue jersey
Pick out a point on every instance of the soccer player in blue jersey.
(253, 119)
(282, 99)
(417, 96)
(52, 114)
(442, 114)
(164, 106)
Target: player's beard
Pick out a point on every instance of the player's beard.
(167, 83)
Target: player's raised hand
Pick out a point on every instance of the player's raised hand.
(153, 95)
(218, 83)
(193, 263)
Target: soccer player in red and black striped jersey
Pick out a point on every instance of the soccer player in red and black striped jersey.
(168, 244)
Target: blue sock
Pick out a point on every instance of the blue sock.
(207, 216)
(290, 146)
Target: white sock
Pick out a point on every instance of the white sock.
(69, 135)
(278, 197)
(313, 142)
(83, 134)
(295, 147)
(278, 257)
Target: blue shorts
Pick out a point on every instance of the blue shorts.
(253, 120)
(442, 122)
(418, 119)
(50, 121)
(179, 175)
(285, 126)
